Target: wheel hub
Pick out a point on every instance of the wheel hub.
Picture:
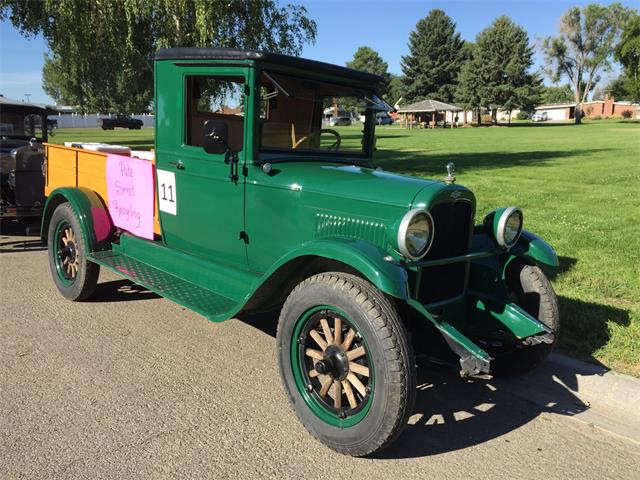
(67, 253)
(334, 363)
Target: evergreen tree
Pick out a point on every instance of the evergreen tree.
(435, 57)
(467, 93)
(497, 76)
(368, 60)
(396, 90)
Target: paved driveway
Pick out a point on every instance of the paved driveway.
(132, 386)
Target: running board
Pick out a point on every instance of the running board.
(202, 300)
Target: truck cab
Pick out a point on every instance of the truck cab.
(251, 204)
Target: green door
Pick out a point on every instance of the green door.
(201, 208)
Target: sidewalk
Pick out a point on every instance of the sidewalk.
(590, 393)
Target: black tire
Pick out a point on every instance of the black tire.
(81, 282)
(534, 294)
(389, 347)
(104, 127)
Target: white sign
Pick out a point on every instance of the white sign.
(167, 197)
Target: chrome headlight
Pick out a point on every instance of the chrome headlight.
(415, 234)
(507, 226)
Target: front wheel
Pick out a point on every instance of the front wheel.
(74, 275)
(346, 363)
(533, 293)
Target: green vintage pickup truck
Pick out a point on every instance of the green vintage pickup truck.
(261, 206)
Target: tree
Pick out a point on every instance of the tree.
(101, 53)
(561, 94)
(467, 93)
(435, 57)
(497, 76)
(627, 52)
(368, 60)
(396, 90)
(583, 48)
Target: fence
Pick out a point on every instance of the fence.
(91, 121)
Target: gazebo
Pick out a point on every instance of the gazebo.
(426, 113)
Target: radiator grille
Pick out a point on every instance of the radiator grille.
(453, 227)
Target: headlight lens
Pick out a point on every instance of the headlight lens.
(509, 226)
(415, 234)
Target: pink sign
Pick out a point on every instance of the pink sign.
(131, 197)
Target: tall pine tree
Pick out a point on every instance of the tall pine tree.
(435, 57)
(497, 76)
(368, 60)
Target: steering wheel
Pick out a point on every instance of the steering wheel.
(334, 146)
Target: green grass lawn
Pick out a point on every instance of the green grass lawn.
(579, 188)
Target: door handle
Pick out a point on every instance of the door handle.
(179, 164)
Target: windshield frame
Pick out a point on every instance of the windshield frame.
(275, 155)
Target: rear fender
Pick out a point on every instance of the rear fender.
(91, 211)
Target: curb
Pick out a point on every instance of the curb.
(584, 391)
(597, 385)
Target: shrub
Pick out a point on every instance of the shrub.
(522, 115)
(486, 120)
(626, 114)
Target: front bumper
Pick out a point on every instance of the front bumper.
(482, 314)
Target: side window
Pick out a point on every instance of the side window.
(220, 98)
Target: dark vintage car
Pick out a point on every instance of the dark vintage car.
(21, 158)
(122, 121)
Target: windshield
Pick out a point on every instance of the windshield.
(303, 115)
(21, 125)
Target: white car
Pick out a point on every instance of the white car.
(540, 117)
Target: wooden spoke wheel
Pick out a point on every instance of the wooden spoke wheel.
(336, 364)
(72, 272)
(67, 253)
(346, 362)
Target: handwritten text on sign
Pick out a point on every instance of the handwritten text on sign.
(130, 191)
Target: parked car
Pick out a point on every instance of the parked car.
(122, 121)
(540, 117)
(255, 213)
(383, 118)
(52, 125)
(21, 158)
(339, 121)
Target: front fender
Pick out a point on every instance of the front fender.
(531, 246)
(363, 256)
(90, 209)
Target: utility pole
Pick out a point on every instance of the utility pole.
(28, 95)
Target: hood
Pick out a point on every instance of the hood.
(351, 182)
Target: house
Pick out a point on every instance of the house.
(596, 108)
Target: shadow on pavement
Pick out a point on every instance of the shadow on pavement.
(120, 291)
(453, 413)
(29, 233)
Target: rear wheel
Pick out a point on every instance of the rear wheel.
(74, 275)
(346, 363)
(533, 293)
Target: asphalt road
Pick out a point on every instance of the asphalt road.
(131, 385)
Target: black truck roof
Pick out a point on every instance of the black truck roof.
(275, 58)
(16, 106)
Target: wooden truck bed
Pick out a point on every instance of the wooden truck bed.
(78, 167)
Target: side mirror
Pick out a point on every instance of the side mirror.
(215, 136)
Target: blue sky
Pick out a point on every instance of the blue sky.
(343, 26)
